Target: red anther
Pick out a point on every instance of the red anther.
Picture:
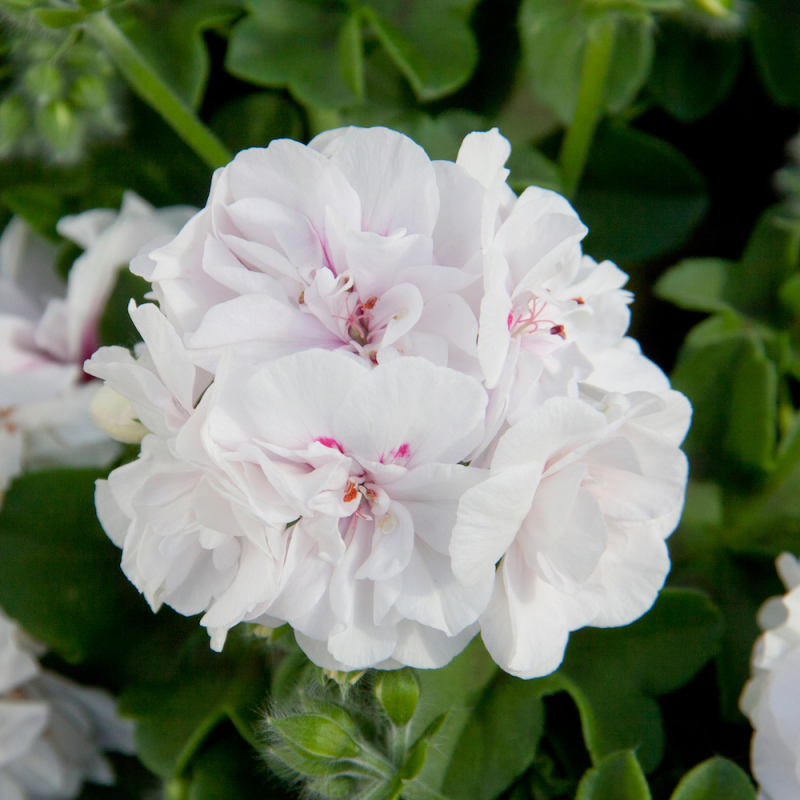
(370, 304)
(302, 297)
(579, 300)
(558, 330)
(350, 492)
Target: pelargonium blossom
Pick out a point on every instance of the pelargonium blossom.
(52, 731)
(771, 699)
(388, 402)
(47, 330)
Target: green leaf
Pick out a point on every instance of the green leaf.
(775, 33)
(178, 53)
(615, 674)
(498, 742)
(226, 767)
(715, 779)
(175, 717)
(733, 387)
(116, 326)
(554, 35)
(57, 18)
(771, 257)
(453, 690)
(616, 777)
(697, 284)
(59, 573)
(316, 49)
(639, 196)
(693, 72)
(256, 119)
(441, 136)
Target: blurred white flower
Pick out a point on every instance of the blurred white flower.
(47, 330)
(771, 699)
(52, 731)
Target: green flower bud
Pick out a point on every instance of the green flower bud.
(14, 120)
(44, 82)
(60, 127)
(316, 736)
(340, 786)
(398, 693)
(717, 8)
(89, 91)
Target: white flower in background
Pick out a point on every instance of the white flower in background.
(348, 334)
(581, 495)
(47, 330)
(52, 731)
(771, 699)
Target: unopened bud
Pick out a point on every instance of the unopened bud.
(316, 735)
(339, 786)
(61, 128)
(44, 82)
(398, 693)
(88, 91)
(114, 415)
(14, 120)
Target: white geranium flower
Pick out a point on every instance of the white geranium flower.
(771, 698)
(357, 242)
(367, 463)
(47, 330)
(316, 381)
(581, 495)
(52, 731)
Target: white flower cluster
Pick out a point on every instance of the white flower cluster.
(47, 330)
(771, 699)
(391, 404)
(52, 731)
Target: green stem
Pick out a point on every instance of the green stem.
(144, 81)
(596, 63)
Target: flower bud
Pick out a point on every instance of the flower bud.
(339, 786)
(44, 82)
(315, 735)
(398, 693)
(114, 415)
(14, 119)
(89, 91)
(61, 128)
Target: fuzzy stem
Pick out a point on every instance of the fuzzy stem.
(578, 140)
(146, 83)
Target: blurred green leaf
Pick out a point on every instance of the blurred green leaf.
(227, 767)
(174, 717)
(770, 258)
(697, 284)
(775, 35)
(441, 137)
(455, 690)
(116, 326)
(554, 35)
(640, 196)
(169, 34)
(616, 777)
(715, 779)
(499, 741)
(733, 387)
(317, 50)
(256, 119)
(59, 573)
(693, 71)
(615, 674)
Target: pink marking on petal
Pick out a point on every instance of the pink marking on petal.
(402, 452)
(328, 442)
(510, 320)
